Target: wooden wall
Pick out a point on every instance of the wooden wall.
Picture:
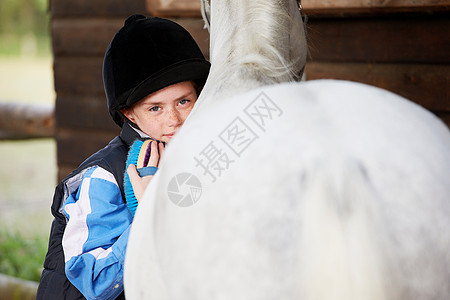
(400, 45)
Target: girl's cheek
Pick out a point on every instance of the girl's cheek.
(187, 107)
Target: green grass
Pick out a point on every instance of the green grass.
(20, 256)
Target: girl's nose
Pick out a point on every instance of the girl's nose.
(175, 118)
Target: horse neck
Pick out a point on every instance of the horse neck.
(253, 43)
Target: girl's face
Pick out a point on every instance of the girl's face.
(162, 113)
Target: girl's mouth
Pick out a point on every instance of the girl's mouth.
(170, 135)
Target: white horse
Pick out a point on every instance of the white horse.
(313, 190)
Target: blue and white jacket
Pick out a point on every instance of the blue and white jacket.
(96, 235)
(89, 233)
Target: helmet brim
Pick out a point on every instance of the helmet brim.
(194, 69)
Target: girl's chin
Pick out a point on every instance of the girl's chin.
(166, 139)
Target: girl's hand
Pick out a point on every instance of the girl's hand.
(140, 183)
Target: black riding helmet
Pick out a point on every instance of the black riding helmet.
(145, 55)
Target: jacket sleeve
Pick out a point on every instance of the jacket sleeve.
(96, 236)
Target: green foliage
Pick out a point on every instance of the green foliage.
(22, 257)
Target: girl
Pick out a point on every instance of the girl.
(152, 72)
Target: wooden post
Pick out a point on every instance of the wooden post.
(26, 121)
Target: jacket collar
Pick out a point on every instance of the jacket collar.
(129, 134)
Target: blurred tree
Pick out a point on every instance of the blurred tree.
(24, 16)
(22, 19)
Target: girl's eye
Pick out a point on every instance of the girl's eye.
(184, 101)
(154, 108)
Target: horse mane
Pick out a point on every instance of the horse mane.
(256, 51)
(261, 53)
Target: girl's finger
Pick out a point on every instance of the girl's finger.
(132, 173)
(161, 150)
(139, 183)
(154, 155)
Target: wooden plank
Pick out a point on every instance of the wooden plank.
(86, 36)
(427, 85)
(79, 75)
(91, 36)
(96, 8)
(174, 8)
(64, 170)
(75, 145)
(342, 4)
(83, 112)
(196, 28)
(409, 40)
(372, 7)
(445, 117)
(405, 40)
(315, 8)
